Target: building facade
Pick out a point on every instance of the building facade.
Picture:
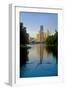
(42, 35)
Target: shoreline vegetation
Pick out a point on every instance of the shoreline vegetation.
(25, 46)
(24, 39)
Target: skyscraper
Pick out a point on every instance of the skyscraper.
(41, 28)
(41, 34)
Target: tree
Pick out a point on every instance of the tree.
(52, 40)
(24, 36)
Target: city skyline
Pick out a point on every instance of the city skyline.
(32, 21)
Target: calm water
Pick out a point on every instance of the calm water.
(39, 60)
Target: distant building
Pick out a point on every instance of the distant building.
(41, 28)
(42, 36)
(31, 39)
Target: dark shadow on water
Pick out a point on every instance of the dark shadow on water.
(54, 51)
(23, 56)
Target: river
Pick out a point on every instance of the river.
(39, 60)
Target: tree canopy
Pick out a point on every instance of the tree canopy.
(24, 36)
(52, 40)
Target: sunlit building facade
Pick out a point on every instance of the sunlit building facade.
(42, 35)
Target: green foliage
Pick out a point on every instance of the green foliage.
(24, 36)
(52, 40)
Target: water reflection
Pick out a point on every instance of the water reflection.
(54, 51)
(40, 60)
(42, 52)
(23, 56)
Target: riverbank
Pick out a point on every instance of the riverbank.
(25, 46)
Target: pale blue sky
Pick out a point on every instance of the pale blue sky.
(32, 21)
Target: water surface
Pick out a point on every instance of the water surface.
(39, 60)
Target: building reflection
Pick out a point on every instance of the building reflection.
(42, 52)
(42, 49)
(42, 35)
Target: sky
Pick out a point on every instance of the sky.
(32, 21)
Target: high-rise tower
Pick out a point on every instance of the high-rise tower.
(41, 28)
(41, 34)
